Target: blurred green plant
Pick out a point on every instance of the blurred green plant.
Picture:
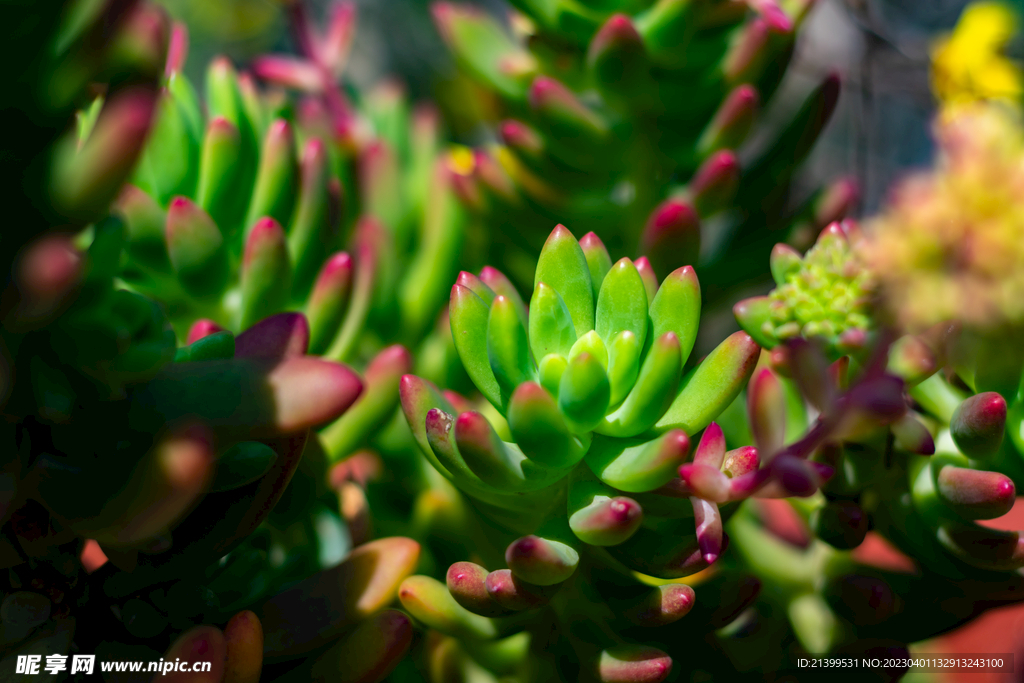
(113, 450)
(628, 117)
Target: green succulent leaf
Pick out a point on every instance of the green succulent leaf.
(469, 315)
(551, 326)
(637, 465)
(583, 392)
(654, 390)
(508, 348)
(711, 386)
(676, 308)
(622, 304)
(563, 267)
(537, 425)
(623, 365)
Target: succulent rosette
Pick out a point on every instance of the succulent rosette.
(189, 468)
(587, 451)
(608, 394)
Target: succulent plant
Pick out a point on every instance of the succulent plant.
(336, 192)
(969, 332)
(815, 596)
(886, 478)
(65, 48)
(250, 219)
(191, 470)
(588, 421)
(100, 339)
(609, 557)
(594, 373)
(880, 442)
(627, 117)
(118, 458)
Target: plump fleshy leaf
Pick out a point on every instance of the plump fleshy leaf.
(563, 267)
(429, 601)
(508, 348)
(655, 388)
(583, 392)
(622, 303)
(541, 561)
(551, 326)
(712, 385)
(635, 465)
(469, 315)
(676, 308)
(537, 426)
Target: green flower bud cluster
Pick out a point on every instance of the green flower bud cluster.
(626, 117)
(824, 295)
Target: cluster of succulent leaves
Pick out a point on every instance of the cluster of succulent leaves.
(168, 458)
(234, 224)
(230, 223)
(249, 211)
(919, 433)
(585, 451)
(859, 465)
(579, 516)
(629, 117)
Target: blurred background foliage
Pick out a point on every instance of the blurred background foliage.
(881, 48)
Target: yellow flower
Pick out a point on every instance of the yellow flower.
(969, 65)
(950, 245)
